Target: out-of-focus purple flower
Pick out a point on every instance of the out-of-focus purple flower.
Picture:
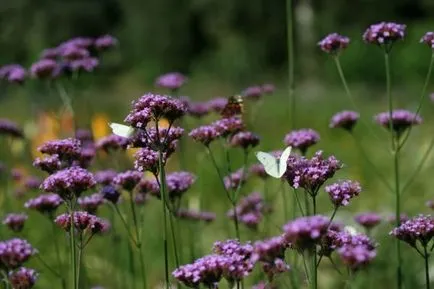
(44, 69)
(91, 203)
(204, 134)
(17, 174)
(14, 252)
(148, 187)
(368, 220)
(391, 218)
(198, 109)
(67, 149)
(302, 139)
(228, 126)
(401, 120)
(194, 215)
(345, 119)
(110, 193)
(264, 285)
(72, 52)
(270, 249)
(32, 182)
(430, 204)
(274, 268)
(82, 42)
(85, 137)
(23, 278)
(50, 53)
(217, 104)
(87, 64)
(15, 222)
(48, 164)
(83, 221)
(146, 160)
(342, 192)
(46, 204)
(311, 174)
(244, 139)
(428, 39)
(356, 257)
(13, 73)
(258, 170)
(235, 179)
(334, 43)
(105, 42)
(305, 232)
(171, 80)
(105, 177)
(112, 143)
(178, 183)
(253, 92)
(268, 88)
(69, 182)
(250, 210)
(10, 128)
(85, 158)
(418, 229)
(384, 34)
(128, 180)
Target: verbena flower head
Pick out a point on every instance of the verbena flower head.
(218, 103)
(384, 34)
(305, 232)
(311, 174)
(45, 204)
(268, 88)
(148, 187)
(228, 126)
(69, 182)
(430, 204)
(85, 158)
(302, 139)
(128, 180)
(146, 160)
(23, 278)
(368, 220)
(50, 53)
(250, 210)
(44, 69)
(171, 80)
(165, 140)
(198, 109)
(345, 119)
(13, 73)
(401, 120)
(74, 52)
(204, 134)
(264, 285)
(428, 39)
(270, 249)
(9, 128)
(66, 149)
(244, 139)
(105, 177)
(356, 257)
(336, 238)
(391, 218)
(112, 143)
(274, 268)
(110, 193)
(258, 170)
(83, 222)
(14, 252)
(334, 43)
(82, 42)
(48, 164)
(87, 64)
(105, 42)
(32, 183)
(418, 229)
(342, 192)
(253, 92)
(178, 183)
(85, 137)
(91, 203)
(235, 179)
(195, 215)
(15, 222)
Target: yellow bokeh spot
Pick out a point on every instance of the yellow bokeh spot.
(100, 126)
(47, 129)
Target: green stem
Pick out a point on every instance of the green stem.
(124, 222)
(284, 202)
(56, 249)
(314, 259)
(426, 258)
(173, 234)
(5, 279)
(163, 201)
(79, 258)
(45, 264)
(398, 217)
(73, 249)
(291, 58)
(389, 97)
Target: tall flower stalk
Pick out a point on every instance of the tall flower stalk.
(290, 50)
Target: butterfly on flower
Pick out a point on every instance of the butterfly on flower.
(234, 107)
(274, 167)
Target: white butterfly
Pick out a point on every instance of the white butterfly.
(274, 167)
(121, 129)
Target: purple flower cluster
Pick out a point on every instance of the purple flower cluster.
(105, 177)
(384, 33)
(345, 119)
(148, 186)
(178, 183)
(218, 103)
(110, 194)
(171, 80)
(228, 126)
(147, 160)
(250, 210)
(112, 143)
(244, 139)
(198, 109)
(69, 182)
(258, 170)
(15, 222)
(194, 215)
(204, 134)
(256, 91)
(428, 39)
(235, 179)
(45, 69)
(10, 128)
(310, 174)
(14, 252)
(13, 73)
(401, 120)
(91, 203)
(334, 43)
(368, 220)
(32, 182)
(45, 204)
(264, 285)
(66, 149)
(356, 257)
(305, 232)
(165, 139)
(342, 192)
(83, 222)
(420, 228)
(49, 164)
(302, 139)
(128, 180)
(23, 278)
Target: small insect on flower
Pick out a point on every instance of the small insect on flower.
(121, 129)
(234, 107)
(273, 166)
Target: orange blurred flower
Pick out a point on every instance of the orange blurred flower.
(100, 126)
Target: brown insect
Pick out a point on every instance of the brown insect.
(234, 107)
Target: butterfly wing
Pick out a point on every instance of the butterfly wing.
(121, 129)
(234, 107)
(270, 164)
(283, 159)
